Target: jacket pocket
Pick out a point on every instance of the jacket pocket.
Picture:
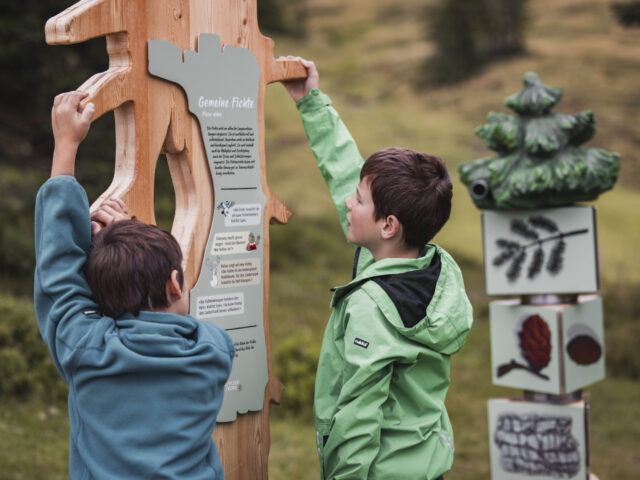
(322, 435)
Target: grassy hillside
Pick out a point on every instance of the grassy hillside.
(370, 61)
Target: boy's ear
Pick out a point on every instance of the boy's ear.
(173, 286)
(391, 227)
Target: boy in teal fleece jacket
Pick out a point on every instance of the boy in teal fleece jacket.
(383, 371)
(145, 379)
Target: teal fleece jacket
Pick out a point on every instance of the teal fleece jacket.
(144, 390)
(383, 371)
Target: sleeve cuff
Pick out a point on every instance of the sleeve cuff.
(314, 100)
(66, 187)
(62, 179)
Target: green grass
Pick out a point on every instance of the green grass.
(34, 441)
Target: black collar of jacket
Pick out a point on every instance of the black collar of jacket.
(411, 292)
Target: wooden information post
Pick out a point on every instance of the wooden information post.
(217, 162)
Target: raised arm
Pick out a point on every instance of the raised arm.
(62, 240)
(63, 234)
(335, 150)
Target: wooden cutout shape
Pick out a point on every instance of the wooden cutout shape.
(151, 117)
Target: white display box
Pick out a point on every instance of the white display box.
(538, 441)
(555, 349)
(546, 251)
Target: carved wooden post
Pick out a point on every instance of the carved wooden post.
(152, 117)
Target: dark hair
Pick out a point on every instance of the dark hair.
(413, 186)
(128, 266)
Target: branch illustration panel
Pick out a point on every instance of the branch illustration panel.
(540, 251)
(538, 441)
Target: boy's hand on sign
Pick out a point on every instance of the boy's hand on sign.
(110, 211)
(301, 87)
(69, 124)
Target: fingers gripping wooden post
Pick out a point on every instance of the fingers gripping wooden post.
(152, 117)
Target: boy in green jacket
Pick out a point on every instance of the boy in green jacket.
(383, 371)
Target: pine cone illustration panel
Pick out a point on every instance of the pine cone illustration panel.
(524, 347)
(554, 349)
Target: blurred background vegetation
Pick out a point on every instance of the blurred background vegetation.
(418, 73)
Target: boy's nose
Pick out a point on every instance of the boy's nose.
(347, 201)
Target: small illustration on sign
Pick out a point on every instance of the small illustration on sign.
(253, 242)
(225, 206)
(213, 268)
(535, 345)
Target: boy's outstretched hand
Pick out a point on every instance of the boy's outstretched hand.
(110, 211)
(70, 127)
(300, 88)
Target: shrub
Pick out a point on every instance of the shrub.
(627, 13)
(295, 361)
(470, 33)
(622, 329)
(284, 17)
(26, 367)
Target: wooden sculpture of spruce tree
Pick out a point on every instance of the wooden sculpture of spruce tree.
(540, 162)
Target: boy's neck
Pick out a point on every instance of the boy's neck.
(394, 250)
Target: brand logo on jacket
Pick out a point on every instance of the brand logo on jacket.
(361, 343)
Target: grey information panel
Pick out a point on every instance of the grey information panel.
(222, 90)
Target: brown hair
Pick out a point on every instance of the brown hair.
(128, 266)
(413, 186)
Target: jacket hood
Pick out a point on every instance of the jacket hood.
(423, 298)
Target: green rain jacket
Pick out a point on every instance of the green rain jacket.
(383, 371)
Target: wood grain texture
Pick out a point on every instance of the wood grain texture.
(152, 117)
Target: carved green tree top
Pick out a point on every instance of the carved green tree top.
(540, 162)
